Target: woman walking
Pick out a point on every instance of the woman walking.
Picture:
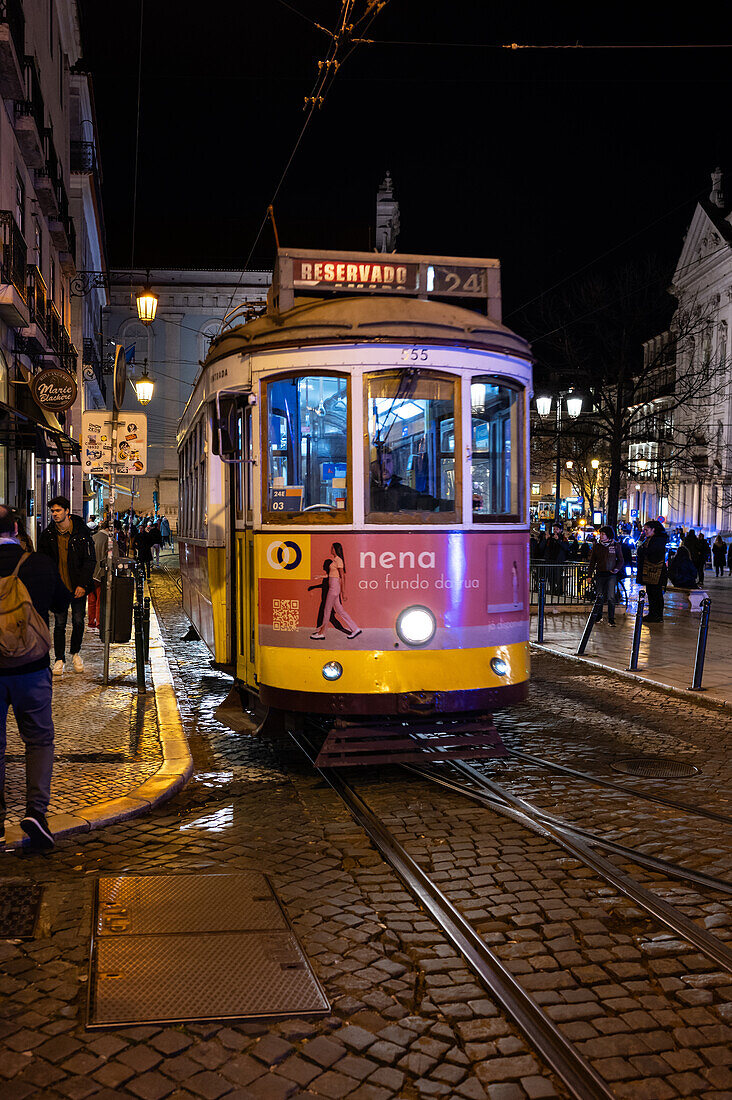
(719, 555)
(336, 595)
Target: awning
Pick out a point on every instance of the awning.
(46, 441)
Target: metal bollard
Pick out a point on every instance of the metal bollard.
(139, 650)
(146, 626)
(635, 647)
(701, 645)
(593, 616)
(542, 601)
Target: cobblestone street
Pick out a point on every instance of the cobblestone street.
(650, 1012)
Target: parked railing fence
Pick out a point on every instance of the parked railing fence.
(566, 584)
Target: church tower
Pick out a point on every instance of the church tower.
(387, 217)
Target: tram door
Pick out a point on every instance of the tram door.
(245, 575)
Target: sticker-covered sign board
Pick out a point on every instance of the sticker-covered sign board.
(130, 453)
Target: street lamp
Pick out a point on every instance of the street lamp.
(595, 463)
(147, 303)
(144, 386)
(574, 408)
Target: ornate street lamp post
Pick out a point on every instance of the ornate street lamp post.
(574, 408)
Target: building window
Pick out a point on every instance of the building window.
(20, 204)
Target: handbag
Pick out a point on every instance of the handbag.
(652, 571)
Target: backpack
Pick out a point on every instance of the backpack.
(24, 637)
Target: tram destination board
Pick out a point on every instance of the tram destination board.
(388, 274)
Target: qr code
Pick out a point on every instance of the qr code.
(285, 614)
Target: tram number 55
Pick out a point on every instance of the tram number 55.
(415, 355)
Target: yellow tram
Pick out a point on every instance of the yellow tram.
(353, 522)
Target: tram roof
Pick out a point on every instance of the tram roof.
(360, 320)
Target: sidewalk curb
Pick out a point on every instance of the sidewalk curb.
(623, 674)
(172, 775)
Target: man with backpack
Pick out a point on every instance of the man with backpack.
(68, 542)
(30, 586)
(608, 563)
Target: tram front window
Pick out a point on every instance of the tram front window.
(411, 446)
(307, 445)
(497, 461)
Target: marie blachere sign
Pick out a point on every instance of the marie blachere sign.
(130, 453)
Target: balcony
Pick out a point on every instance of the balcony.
(50, 191)
(30, 115)
(12, 49)
(34, 334)
(13, 291)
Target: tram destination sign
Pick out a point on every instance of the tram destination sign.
(386, 273)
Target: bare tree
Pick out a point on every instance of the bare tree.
(641, 391)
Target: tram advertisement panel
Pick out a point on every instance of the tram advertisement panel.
(349, 591)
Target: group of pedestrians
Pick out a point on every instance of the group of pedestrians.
(67, 571)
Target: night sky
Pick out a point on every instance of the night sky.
(549, 160)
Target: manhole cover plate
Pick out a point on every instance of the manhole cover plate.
(175, 948)
(655, 767)
(19, 905)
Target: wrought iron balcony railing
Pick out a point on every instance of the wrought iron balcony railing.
(14, 253)
(37, 297)
(33, 103)
(11, 12)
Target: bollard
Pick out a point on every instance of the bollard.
(139, 650)
(701, 645)
(592, 618)
(146, 626)
(542, 601)
(635, 647)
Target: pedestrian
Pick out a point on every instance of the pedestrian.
(25, 676)
(607, 563)
(682, 572)
(556, 554)
(165, 531)
(719, 555)
(729, 559)
(143, 551)
(101, 550)
(155, 539)
(652, 574)
(704, 554)
(68, 542)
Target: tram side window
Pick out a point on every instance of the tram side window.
(307, 445)
(497, 462)
(411, 446)
(193, 484)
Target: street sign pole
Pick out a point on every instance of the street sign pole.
(110, 551)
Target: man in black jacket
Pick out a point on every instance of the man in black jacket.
(26, 685)
(68, 542)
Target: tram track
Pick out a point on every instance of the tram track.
(558, 1052)
(648, 796)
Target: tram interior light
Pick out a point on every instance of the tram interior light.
(416, 625)
(499, 666)
(332, 670)
(543, 405)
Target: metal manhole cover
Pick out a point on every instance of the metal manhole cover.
(655, 767)
(19, 905)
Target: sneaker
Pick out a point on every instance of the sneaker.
(598, 619)
(35, 826)
(318, 637)
(77, 662)
(354, 634)
(611, 622)
(58, 668)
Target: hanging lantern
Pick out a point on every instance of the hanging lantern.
(147, 303)
(144, 386)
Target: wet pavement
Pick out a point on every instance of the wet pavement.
(408, 1019)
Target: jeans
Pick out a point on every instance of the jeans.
(655, 600)
(29, 694)
(78, 610)
(606, 592)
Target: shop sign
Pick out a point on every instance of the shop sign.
(53, 389)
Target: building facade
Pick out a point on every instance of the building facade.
(682, 459)
(192, 305)
(43, 103)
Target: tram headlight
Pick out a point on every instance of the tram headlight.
(332, 670)
(416, 625)
(499, 666)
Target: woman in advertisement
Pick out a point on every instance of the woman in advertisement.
(336, 593)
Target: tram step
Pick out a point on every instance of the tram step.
(346, 745)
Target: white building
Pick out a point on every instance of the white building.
(46, 214)
(191, 307)
(693, 488)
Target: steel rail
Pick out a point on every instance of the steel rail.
(697, 811)
(582, 1080)
(652, 863)
(519, 810)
